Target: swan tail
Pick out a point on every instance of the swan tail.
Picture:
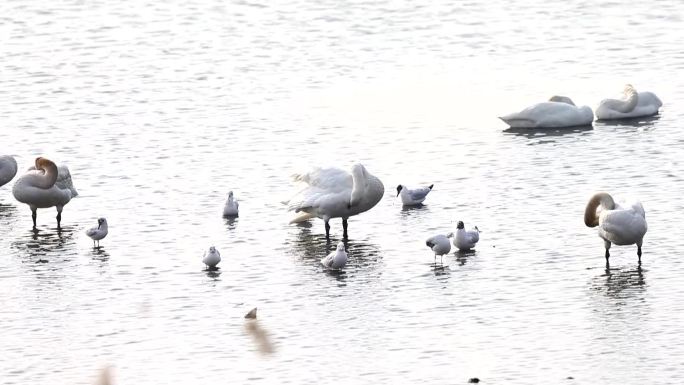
(515, 122)
(301, 217)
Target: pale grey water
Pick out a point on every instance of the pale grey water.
(160, 108)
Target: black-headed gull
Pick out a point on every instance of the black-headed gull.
(99, 232)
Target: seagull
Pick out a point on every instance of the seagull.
(231, 207)
(619, 224)
(466, 239)
(334, 193)
(336, 259)
(211, 258)
(412, 197)
(99, 232)
(440, 245)
(43, 186)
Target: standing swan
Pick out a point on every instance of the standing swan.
(618, 225)
(633, 104)
(8, 169)
(334, 193)
(43, 186)
(558, 112)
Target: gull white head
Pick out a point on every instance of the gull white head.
(340, 246)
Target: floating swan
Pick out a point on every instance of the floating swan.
(634, 104)
(558, 112)
(43, 186)
(8, 169)
(621, 225)
(231, 207)
(99, 232)
(336, 259)
(465, 239)
(440, 245)
(334, 193)
(412, 197)
(211, 258)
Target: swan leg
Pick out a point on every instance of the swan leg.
(639, 252)
(344, 226)
(327, 230)
(607, 244)
(34, 215)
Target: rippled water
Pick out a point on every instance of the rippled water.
(160, 108)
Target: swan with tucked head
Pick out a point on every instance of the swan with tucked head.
(8, 169)
(558, 112)
(43, 186)
(334, 193)
(618, 224)
(632, 105)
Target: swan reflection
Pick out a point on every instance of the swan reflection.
(540, 134)
(621, 284)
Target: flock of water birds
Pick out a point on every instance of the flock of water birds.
(328, 193)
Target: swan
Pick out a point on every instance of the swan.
(558, 112)
(335, 193)
(633, 104)
(231, 207)
(211, 258)
(43, 186)
(440, 245)
(336, 259)
(8, 169)
(618, 224)
(99, 232)
(412, 197)
(465, 239)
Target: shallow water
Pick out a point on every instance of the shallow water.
(160, 108)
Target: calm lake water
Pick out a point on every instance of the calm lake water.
(160, 108)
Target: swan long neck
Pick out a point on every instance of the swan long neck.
(602, 199)
(359, 182)
(49, 176)
(630, 100)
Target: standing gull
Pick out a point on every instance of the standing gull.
(334, 193)
(440, 245)
(99, 232)
(466, 239)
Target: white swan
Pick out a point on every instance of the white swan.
(336, 259)
(634, 104)
(440, 245)
(621, 225)
(211, 258)
(99, 232)
(43, 186)
(231, 207)
(8, 169)
(412, 197)
(466, 239)
(558, 112)
(334, 193)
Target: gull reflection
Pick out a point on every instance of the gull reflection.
(463, 255)
(231, 222)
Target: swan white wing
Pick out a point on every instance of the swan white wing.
(550, 114)
(622, 227)
(64, 180)
(331, 179)
(324, 187)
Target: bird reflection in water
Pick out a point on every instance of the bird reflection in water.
(99, 254)
(548, 135)
(231, 222)
(43, 244)
(463, 255)
(622, 284)
(259, 335)
(645, 122)
(214, 273)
